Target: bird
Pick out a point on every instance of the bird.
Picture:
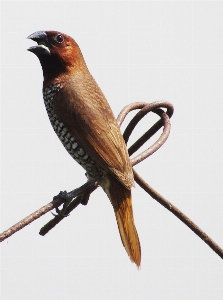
(85, 124)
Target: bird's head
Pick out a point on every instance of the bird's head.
(58, 53)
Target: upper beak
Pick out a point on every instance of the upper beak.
(43, 47)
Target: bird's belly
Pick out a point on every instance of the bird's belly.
(79, 154)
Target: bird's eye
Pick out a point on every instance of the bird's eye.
(59, 38)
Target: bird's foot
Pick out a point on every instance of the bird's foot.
(68, 197)
(67, 200)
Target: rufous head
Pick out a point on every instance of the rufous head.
(58, 53)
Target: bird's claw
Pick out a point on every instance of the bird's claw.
(61, 212)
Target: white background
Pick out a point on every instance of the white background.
(137, 51)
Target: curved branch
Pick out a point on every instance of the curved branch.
(86, 194)
(166, 131)
(164, 121)
(179, 214)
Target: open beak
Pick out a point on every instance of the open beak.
(43, 47)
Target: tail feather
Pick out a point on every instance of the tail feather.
(121, 200)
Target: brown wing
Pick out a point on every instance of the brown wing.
(83, 109)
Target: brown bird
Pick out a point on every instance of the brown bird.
(84, 122)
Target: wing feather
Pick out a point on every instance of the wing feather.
(84, 110)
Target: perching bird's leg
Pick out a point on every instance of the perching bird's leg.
(69, 196)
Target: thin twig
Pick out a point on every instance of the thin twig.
(34, 216)
(166, 131)
(145, 108)
(84, 198)
(179, 214)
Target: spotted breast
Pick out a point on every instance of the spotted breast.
(69, 142)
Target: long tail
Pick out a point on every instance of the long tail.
(121, 200)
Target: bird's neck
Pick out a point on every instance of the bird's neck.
(56, 71)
